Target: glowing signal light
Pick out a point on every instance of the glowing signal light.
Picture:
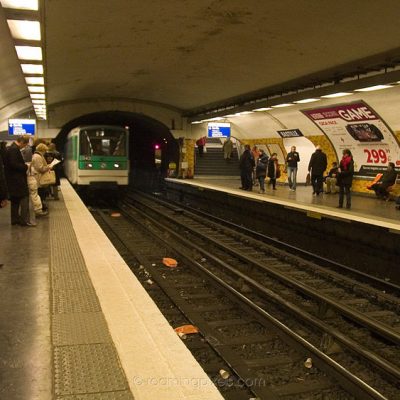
(157, 146)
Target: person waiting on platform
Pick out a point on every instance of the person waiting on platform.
(292, 160)
(261, 170)
(227, 147)
(330, 179)
(387, 179)
(273, 170)
(317, 166)
(345, 178)
(246, 165)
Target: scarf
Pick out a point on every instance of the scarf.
(345, 162)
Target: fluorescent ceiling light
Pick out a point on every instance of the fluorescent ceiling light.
(197, 122)
(231, 115)
(306, 101)
(29, 52)
(21, 4)
(36, 101)
(37, 96)
(36, 89)
(34, 80)
(246, 112)
(263, 109)
(339, 94)
(26, 30)
(32, 68)
(371, 88)
(283, 105)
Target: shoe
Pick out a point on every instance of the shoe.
(42, 213)
(327, 192)
(339, 206)
(274, 189)
(28, 225)
(348, 206)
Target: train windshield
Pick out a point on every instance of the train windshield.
(103, 141)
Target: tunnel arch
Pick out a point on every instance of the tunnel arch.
(145, 134)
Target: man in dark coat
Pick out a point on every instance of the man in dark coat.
(387, 179)
(15, 169)
(246, 164)
(3, 185)
(316, 168)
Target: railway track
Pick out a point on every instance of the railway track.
(243, 338)
(259, 326)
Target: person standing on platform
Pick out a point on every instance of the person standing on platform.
(227, 148)
(200, 145)
(292, 160)
(316, 168)
(52, 154)
(17, 183)
(3, 185)
(246, 165)
(255, 153)
(345, 178)
(273, 170)
(261, 170)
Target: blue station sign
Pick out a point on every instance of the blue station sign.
(219, 129)
(21, 127)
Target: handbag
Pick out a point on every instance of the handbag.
(308, 179)
(47, 178)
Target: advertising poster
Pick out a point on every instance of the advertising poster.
(356, 126)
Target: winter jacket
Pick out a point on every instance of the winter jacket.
(3, 184)
(246, 162)
(318, 163)
(345, 176)
(292, 159)
(261, 167)
(15, 169)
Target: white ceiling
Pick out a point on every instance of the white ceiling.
(189, 53)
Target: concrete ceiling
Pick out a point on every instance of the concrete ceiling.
(190, 53)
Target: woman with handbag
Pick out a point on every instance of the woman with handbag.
(39, 168)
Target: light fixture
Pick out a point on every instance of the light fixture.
(339, 94)
(197, 122)
(371, 88)
(263, 109)
(283, 105)
(305, 101)
(37, 96)
(36, 89)
(34, 80)
(32, 69)
(245, 112)
(25, 30)
(37, 101)
(29, 52)
(21, 4)
(231, 115)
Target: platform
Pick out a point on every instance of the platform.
(365, 209)
(75, 322)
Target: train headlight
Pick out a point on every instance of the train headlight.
(89, 165)
(116, 165)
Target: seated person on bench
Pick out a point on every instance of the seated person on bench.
(386, 180)
(330, 179)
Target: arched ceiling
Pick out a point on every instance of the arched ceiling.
(190, 53)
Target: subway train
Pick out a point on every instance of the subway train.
(96, 157)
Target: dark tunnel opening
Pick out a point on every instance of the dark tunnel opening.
(147, 135)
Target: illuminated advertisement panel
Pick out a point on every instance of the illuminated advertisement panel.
(21, 127)
(356, 126)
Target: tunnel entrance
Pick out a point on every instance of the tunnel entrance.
(151, 145)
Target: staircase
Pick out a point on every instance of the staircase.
(213, 163)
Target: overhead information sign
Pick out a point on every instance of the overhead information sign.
(289, 133)
(21, 127)
(217, 130)
(357, 127)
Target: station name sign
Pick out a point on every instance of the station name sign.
(21, 127)
(219, 129)
(289, 133)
